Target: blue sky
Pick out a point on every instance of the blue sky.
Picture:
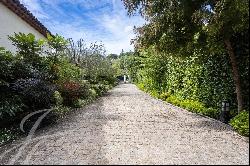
(103, 21)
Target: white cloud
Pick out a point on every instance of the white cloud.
(35, 8)
(128, 29)
(113, 27)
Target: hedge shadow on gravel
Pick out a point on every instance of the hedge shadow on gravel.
(80, 132)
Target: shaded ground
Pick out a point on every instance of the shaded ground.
(128, 126)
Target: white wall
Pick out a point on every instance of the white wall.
(10, 23)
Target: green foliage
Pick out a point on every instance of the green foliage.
(10, 105)
(211, 112)
(60, 111)
(59, 75)
(164, 96)
(125, 64)
(233, 18)
(174, 100)
(206, 78)
(37, 94)
(241, 123)
(28, 47)
(100, 88)
(79, 103)
(116, 67)
(194, 106)
(64, 70)
(57, 44)
(203, 32)
(6, 63)
(141, 86)
(154, 93)
(112, 57)
(93, 93)
(98, 69)
(200, 81)
(6, 135)
(57, 97)
(180, 26)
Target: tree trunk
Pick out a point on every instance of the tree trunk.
(236, 76)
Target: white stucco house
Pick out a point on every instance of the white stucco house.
(14, 17)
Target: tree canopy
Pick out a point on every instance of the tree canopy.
(186, 27)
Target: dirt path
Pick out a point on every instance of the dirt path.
(128, 126)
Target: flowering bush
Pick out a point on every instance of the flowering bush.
(73, 90)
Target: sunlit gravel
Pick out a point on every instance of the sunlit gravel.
(127, 126)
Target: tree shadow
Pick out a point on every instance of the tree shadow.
(77, 139)
(208, 123)
(122, 94)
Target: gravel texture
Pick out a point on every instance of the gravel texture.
(127, 126)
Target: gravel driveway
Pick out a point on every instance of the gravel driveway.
(128, 126)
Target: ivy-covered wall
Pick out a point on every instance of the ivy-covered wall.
(203, 77)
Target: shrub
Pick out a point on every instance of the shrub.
(28, 47)
(21, 69)
(36, 94)
(14, 67)
(79, 103)
(93, 93)
(141, 86)
(73, 90)
(155, 93)
(56, 114)
(198, 107)
(58, 100)
(84, 89)
(58, 44)
(173, 100)
(70, 92)
(60, 110)
(29, 81)
(211, 112)
(106, 88)
(194, 106)
(164, 96)
(200, 77)
(99, 88)
(10, 105)
(6, 62)
(65, 71)
(241, 123)
(6, 135)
